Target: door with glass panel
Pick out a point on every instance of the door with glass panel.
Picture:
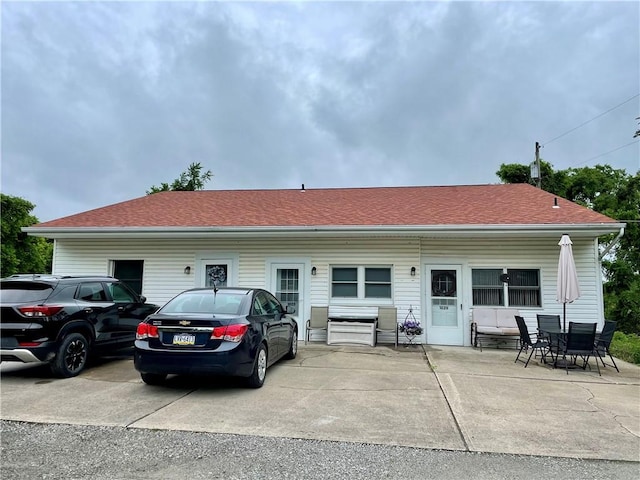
(287, 284)
(444, 305)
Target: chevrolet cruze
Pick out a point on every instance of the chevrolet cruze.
(215, 331)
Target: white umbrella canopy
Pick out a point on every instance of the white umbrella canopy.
(568, 287)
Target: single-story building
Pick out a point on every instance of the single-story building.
(435, 251)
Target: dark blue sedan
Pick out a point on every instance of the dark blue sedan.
(215, 331)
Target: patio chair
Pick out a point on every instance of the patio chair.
(526, 342)
(580, 342)
(387, 322)
(604, 340)
(549, 323)
(318, 321)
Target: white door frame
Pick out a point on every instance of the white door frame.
(304, 265)
(444, 335)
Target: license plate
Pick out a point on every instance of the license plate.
(184, 339)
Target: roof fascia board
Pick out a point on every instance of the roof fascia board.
(585, 230)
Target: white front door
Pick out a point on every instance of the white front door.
(287, 284)
(444, 305)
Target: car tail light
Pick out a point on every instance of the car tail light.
(145, 331)
(28, 344)
(40, 310)
(230, 333)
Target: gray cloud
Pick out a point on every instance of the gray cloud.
(102, 100)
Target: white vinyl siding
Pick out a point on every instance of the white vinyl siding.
(165, 261)
(527, 253)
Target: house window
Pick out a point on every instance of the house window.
(524, 288)
(521, 290)
(361, 282)
(377, 283)
(344, 282)
(488, 290)
(129, 272)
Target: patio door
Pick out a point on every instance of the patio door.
(287, 284)
(444, 305)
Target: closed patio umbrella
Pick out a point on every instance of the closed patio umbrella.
(568, 288)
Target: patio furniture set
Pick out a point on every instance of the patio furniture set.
(566, 348)
(352, 324)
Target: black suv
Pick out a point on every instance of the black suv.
(60, 319)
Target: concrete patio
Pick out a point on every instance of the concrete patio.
(454, 398)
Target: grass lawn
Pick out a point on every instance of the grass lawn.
(626, 347)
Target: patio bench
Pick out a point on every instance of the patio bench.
(495, 325)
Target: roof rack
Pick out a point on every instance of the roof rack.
(34, 276)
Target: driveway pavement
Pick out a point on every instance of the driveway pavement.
(452, 398)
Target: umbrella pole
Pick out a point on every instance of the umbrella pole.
(564, 316)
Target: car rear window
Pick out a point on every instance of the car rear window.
(22, 292)
(205, 302)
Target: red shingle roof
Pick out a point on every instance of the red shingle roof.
(508, 204)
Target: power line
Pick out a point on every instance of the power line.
(607, 153)
(589, 121)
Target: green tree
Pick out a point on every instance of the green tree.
(190, 180)
(613, 193)
(551, 181)
(21, 253)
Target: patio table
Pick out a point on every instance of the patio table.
(556, 337)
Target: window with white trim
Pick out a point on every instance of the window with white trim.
(510, 287)
(360, 282)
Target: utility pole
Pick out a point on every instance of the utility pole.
(538, 165)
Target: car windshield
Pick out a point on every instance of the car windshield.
(205, 301)
(23, 292)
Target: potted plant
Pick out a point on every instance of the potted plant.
(411, 327)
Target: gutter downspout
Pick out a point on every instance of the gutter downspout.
(612, 244)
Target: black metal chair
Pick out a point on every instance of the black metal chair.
(604, 340)
(549, 323)
(526, 342)
(580, 342)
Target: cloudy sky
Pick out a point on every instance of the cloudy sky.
(100, 101)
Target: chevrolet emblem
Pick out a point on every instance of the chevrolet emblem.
(184, 322)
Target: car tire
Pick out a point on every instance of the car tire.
(71, 356)
(153, 378)
(293, 346)
(256, 380)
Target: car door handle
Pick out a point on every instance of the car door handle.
(88, 310)
(120, 309)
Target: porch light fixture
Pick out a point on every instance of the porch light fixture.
(187, 270)
(313, 271)
(413, 271)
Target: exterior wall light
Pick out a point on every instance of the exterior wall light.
(413, 271)
(187, 270)
(313, 271)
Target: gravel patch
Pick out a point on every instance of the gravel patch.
(59, 451)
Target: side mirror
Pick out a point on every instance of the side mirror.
(143, 299)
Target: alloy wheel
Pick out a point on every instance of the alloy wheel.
(75, 355)
(262, 364)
